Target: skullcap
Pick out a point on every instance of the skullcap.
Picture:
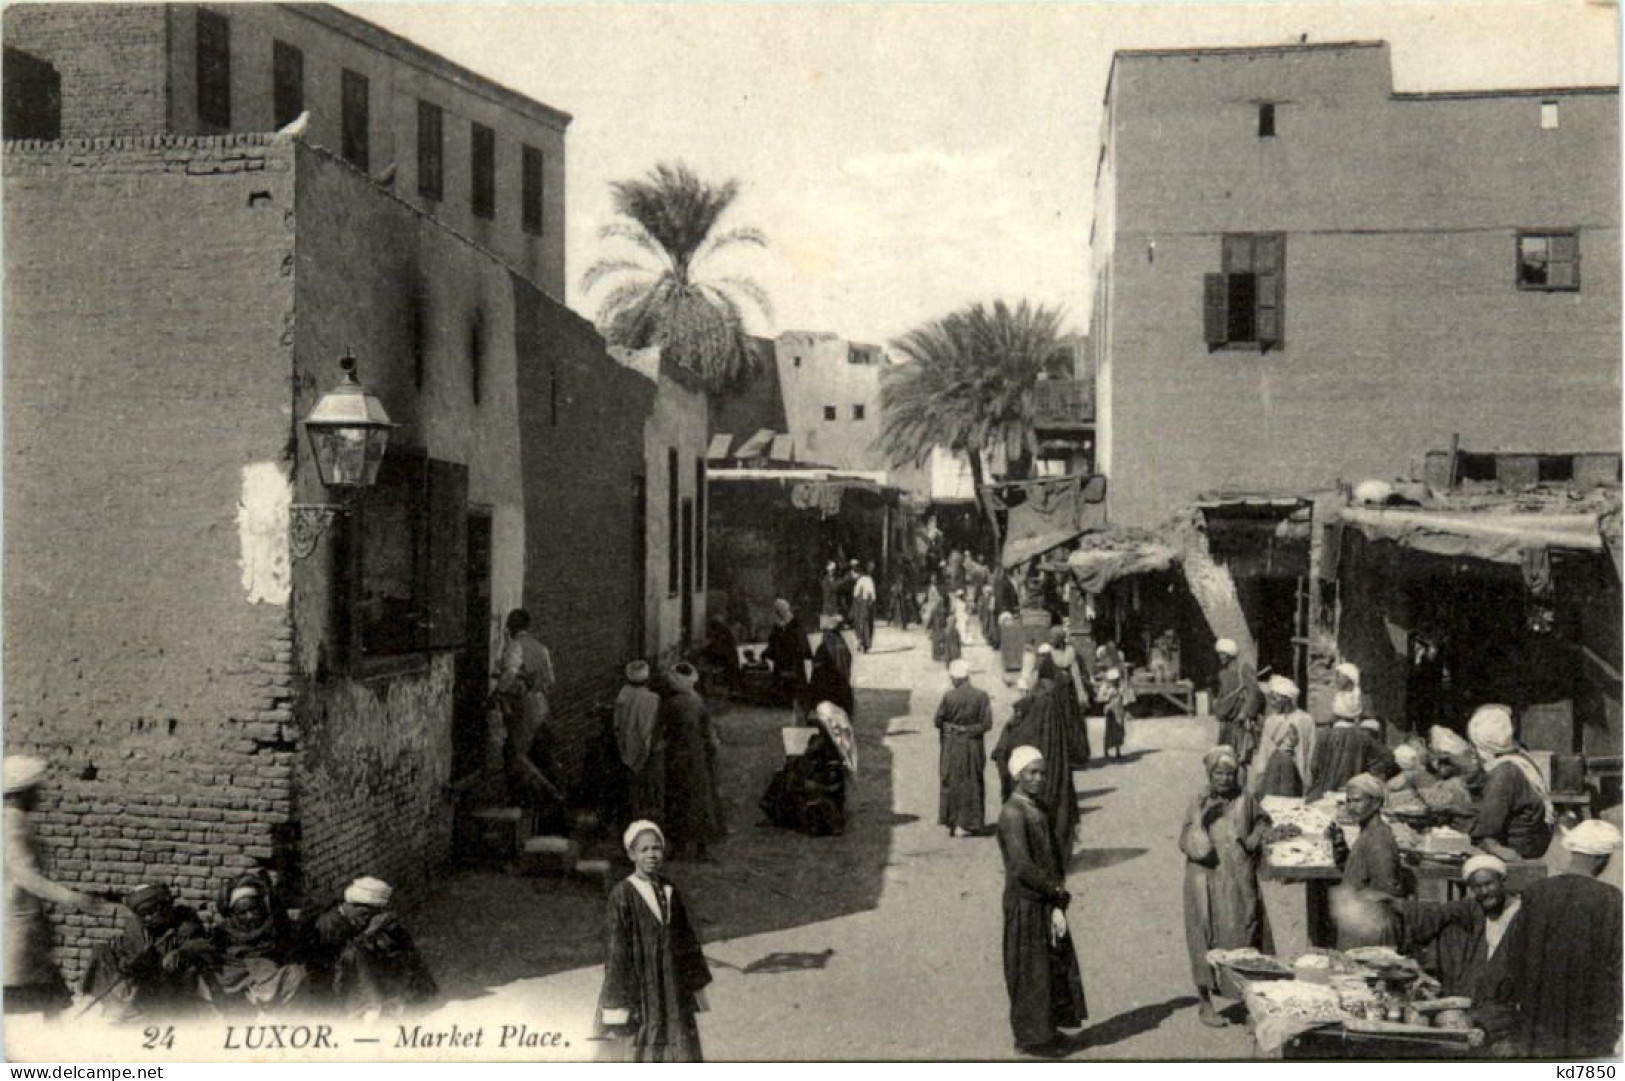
(1022, 757)
(959, 669)
(642, 825)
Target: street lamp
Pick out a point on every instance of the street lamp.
(349, 432)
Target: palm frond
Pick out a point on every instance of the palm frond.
(606, 268)
(755, 293)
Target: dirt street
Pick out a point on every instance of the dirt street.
(883, 943)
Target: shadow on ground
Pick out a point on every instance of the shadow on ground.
(1141, 1019)
(484, 928)
(1093, 859)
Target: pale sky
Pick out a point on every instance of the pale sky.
(905, 159)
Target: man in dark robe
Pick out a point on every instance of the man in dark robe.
(829, 592)
(1561, 964)
(1457, 941)
(1237, 702)
(963, 718)
(844, 588)
(720, 656)
(1040, 963)
(361, 959)
(693, 814)
(1372, 863)
(1043, 725)
(832, 668)
(1341, 752)
(788, 653)
(154, 968)
(254, 948)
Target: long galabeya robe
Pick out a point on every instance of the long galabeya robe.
(654, 970)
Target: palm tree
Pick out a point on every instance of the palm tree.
(967, 386)
(671, 217)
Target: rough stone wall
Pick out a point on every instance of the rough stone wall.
(148, 650)
(111, 59)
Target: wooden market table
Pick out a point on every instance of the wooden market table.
(1180, 693)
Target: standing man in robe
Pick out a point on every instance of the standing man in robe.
(1237, 702)
(1070, 666)
(832, 667)
(1371, 863)
(1281, 715)
(1562, 955)
(693, 819)
(1040, 962)
(641, 744)
(863, 608)
(525, 680)
(963, 718)
(787, 652)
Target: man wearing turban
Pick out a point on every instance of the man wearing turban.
(361, 958)
(1040, 963)
(964, 717)
(1238, 701)
(254, 946)
(1562, 955)
(1370, 864)
(1515, 813)
(154, 968)
(641, 742)
(788, 653)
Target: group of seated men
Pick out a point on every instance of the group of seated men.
(353, 958)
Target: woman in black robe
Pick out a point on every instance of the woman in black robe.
(655, 972)
(1044, 726)
(832, 668)
(1040, 963)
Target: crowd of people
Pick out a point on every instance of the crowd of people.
(247, 957)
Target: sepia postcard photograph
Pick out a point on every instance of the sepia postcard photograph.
(811, 531)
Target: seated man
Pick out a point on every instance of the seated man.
(1457, 940)
(153, 969)
(254, 948)
(809, 793)
(361, 958)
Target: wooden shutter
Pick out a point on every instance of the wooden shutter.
(1216, 309)
(1269, 264)
(446, 588)
(1563, 261)
(1238, 254)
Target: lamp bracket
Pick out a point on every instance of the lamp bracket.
(306, 524)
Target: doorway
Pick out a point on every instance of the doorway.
(473, 679)
(686, 633)
(636, 644)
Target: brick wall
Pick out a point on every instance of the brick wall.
(1402, 323)
(110, 57)
(579, 571)
(147, 644)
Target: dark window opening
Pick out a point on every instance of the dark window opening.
(1479, 467)
(530, 190)
(213, 69)
(476, 354)
(431, 151)
(1549, 261)
(699, 525)
(356, 140)
(797, 362)
(419, 331)
(857, 412)
(1244, 305)
(673, 523)
(287, 83)
(1266, 121)
(829, 412)
(32, 97)
(1557, 469)
(483, 198)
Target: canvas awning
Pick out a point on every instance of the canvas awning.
(1496, 537)
(1052, 511)
(1097, 568)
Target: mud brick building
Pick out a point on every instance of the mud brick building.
(227, 665)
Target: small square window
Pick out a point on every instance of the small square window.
(796, 362)
(829, 412)
(1548, 115)
(857, 412)
(1549, 261)
(1266, 121)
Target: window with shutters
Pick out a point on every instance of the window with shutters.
(355, 122)
(483, 197)
(431, 151)
(401, 589)
(530, 190)
(287, 83)
(1243, 306)
(1549, 261)
(213, 70)
(829, 412)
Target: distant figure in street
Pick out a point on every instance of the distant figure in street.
(525, 680)
(1371, 863)
(720, 655)
(788, 653)
(692, 812)
(832, 667)
(863, 608)
(844, 588)
(1515, 812)
(900, 598)
(1221, 839)
(362, 959)
(829, 591)
(936, 620)
(1043, 724)
(1040, 963)
(255, 948)
(1280, 775)
(655, 973)
(1115, 711)
(1071, 669)
(1281, 716)
(33, 984)
(953, 640)
(641, 743)
(1237, 702)
(1342, 752)
(1562, 955)
(963, 719)
(154, 969)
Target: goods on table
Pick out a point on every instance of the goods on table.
(1302, 852)
(1294, 999)
(1284, 832)
(1442, 840)
(1250, 964)
(1379, 957)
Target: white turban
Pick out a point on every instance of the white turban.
(1405, 755)
(1593, 837)
(1491, 731)
(958, 669)
(1349, 672)
(1482, 863)
(637, 672)
(1022, 757)
(23, 772)
(257, 891)
(1367, 785)
(1226, 646)
(1045, 647)
(1114, 675)
(368, 891)
(1282, 687)
(642, 825)
(1371, 724)
(1442, 740)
